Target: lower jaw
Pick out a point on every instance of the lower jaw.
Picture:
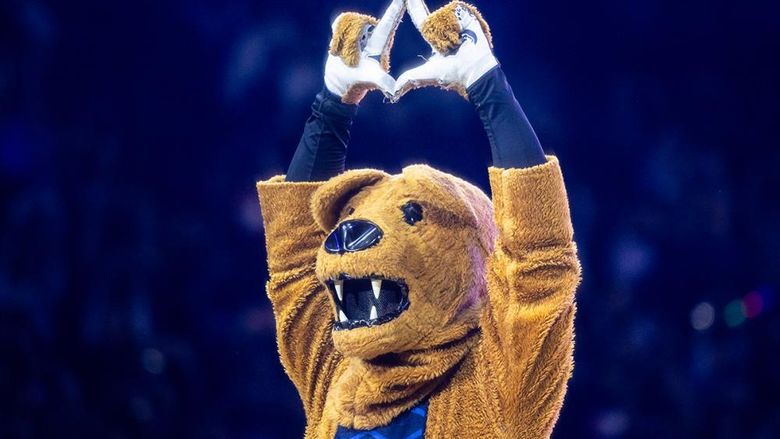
(367, 301)
(354, 324)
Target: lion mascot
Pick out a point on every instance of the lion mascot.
(413, 305)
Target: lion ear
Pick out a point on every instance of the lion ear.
(329, 200)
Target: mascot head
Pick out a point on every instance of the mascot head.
(404, 259)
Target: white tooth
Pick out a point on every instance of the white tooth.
(342, 316)
(376, 285)
(339, 284)
(373, 313)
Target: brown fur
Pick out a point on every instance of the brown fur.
(442, 31)
(346, 36)
(488, 335)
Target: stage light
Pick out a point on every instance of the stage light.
(702, 316)
(734, 315)
(752, 304)
(612, 423)
(153, 361)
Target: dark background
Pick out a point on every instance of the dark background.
(131, 251)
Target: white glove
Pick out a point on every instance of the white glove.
(358, 59)
(461, 44)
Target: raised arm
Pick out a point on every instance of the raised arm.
(322, 150)
(534, 271)
(358, 61)
(532, 278)
(303, 312)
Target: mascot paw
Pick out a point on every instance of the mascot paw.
(359, 53)
(462, 48)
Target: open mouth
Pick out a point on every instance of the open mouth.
(367, 301)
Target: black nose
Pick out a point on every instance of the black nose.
(353, 236)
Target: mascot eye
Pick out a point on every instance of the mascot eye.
(412, 212)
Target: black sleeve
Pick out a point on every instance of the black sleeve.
(322, 150)
(513, 142)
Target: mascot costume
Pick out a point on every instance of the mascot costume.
(413, 305)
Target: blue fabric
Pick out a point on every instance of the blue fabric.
(513, 142)
(407, 425)
(322, 150)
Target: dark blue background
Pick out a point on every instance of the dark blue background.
(132, 264)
